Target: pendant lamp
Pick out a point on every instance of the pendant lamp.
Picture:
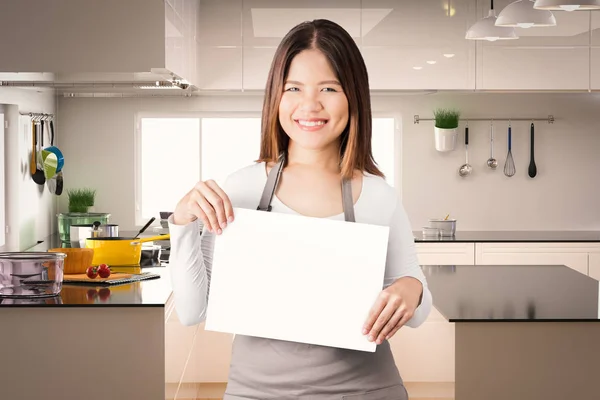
(521, 14)
(567, 5)
(486, 29)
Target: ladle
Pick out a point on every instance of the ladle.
(466, 168)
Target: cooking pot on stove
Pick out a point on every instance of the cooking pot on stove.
(78, 233)
(119, 251)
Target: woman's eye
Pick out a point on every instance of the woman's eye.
(329, 89)
(292, 89)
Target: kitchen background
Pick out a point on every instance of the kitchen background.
(97, 132)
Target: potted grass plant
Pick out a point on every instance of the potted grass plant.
(446, 128)
(81, 200)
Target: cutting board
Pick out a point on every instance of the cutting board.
(116, 278)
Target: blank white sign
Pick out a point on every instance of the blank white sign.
(296, 278)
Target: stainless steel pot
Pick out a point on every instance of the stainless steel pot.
(31, 274)
(78, 233)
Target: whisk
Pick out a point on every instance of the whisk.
(509, 166)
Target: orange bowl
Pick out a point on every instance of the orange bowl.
(77, 260)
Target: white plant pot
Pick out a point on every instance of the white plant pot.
(445, 139)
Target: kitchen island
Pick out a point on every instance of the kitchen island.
(90, 342)
(512, 237)
(521, 332)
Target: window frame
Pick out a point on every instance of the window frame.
(137, 205)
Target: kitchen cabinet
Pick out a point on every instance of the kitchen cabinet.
(573, 255)
(266, 22)
(209, 358)
(550, 58)
(219, 40)
(179, 340)
(110, 40)
(594, 265)
(425, 354)
(412, 45)
(595, 52)
(434, 253)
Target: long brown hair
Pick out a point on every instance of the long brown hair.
(347, 62)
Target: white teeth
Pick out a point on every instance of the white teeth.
(311, 123)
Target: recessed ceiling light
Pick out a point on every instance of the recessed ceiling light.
(448, 55)
(417, 67)
(431, 62)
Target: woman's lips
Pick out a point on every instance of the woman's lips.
(310, 124)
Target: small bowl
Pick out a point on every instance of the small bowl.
(447, 227)
(430, 232)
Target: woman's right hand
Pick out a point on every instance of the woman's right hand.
(208, 202)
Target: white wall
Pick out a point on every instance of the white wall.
(97, 137)
(30, 208)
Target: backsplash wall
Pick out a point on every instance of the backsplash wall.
(563, 196)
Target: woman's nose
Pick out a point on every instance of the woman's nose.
(310, 102)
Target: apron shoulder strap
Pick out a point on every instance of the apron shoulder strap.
(271, 185)
(347, 202)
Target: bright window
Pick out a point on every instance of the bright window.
(176, 152)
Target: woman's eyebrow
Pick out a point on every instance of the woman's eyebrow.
(320, 83)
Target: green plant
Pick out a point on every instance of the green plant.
(81, 199)
(446, 118)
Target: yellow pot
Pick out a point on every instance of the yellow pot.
(119, 251)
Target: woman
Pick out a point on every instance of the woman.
(315, 160)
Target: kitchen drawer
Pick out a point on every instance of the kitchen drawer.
(446, 253)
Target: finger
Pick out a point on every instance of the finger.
(405, 318)
(195, 210)
(210, 214)
(217, 204)
(391, 324)
(393, 332)
(374, 312)
(226, 201)
(382, 319)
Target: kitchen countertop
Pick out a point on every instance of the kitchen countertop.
(514, 237)
(147, 293)
(498, 293)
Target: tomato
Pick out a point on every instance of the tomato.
(104, 294)
(92, 272)
(92, 294)
(104, 271)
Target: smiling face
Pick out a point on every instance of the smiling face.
(313, 110)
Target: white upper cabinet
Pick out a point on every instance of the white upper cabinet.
(543, 58)
(219, 38)
(266, 22)
(418, 44)
(595, 53)
(99, 40)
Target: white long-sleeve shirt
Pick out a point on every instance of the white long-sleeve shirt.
(190, 260)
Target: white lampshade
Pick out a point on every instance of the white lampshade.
(486, 29)
(567, 5)
(521, 14)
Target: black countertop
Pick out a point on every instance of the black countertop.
(147, 293)
(514, 237)
(476, 293)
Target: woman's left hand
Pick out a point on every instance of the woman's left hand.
(393, 308)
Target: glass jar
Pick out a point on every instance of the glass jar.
(65, 220)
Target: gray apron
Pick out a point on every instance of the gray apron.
(264, 369)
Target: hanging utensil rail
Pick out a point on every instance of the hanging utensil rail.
(39, 116)
(549, 119)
